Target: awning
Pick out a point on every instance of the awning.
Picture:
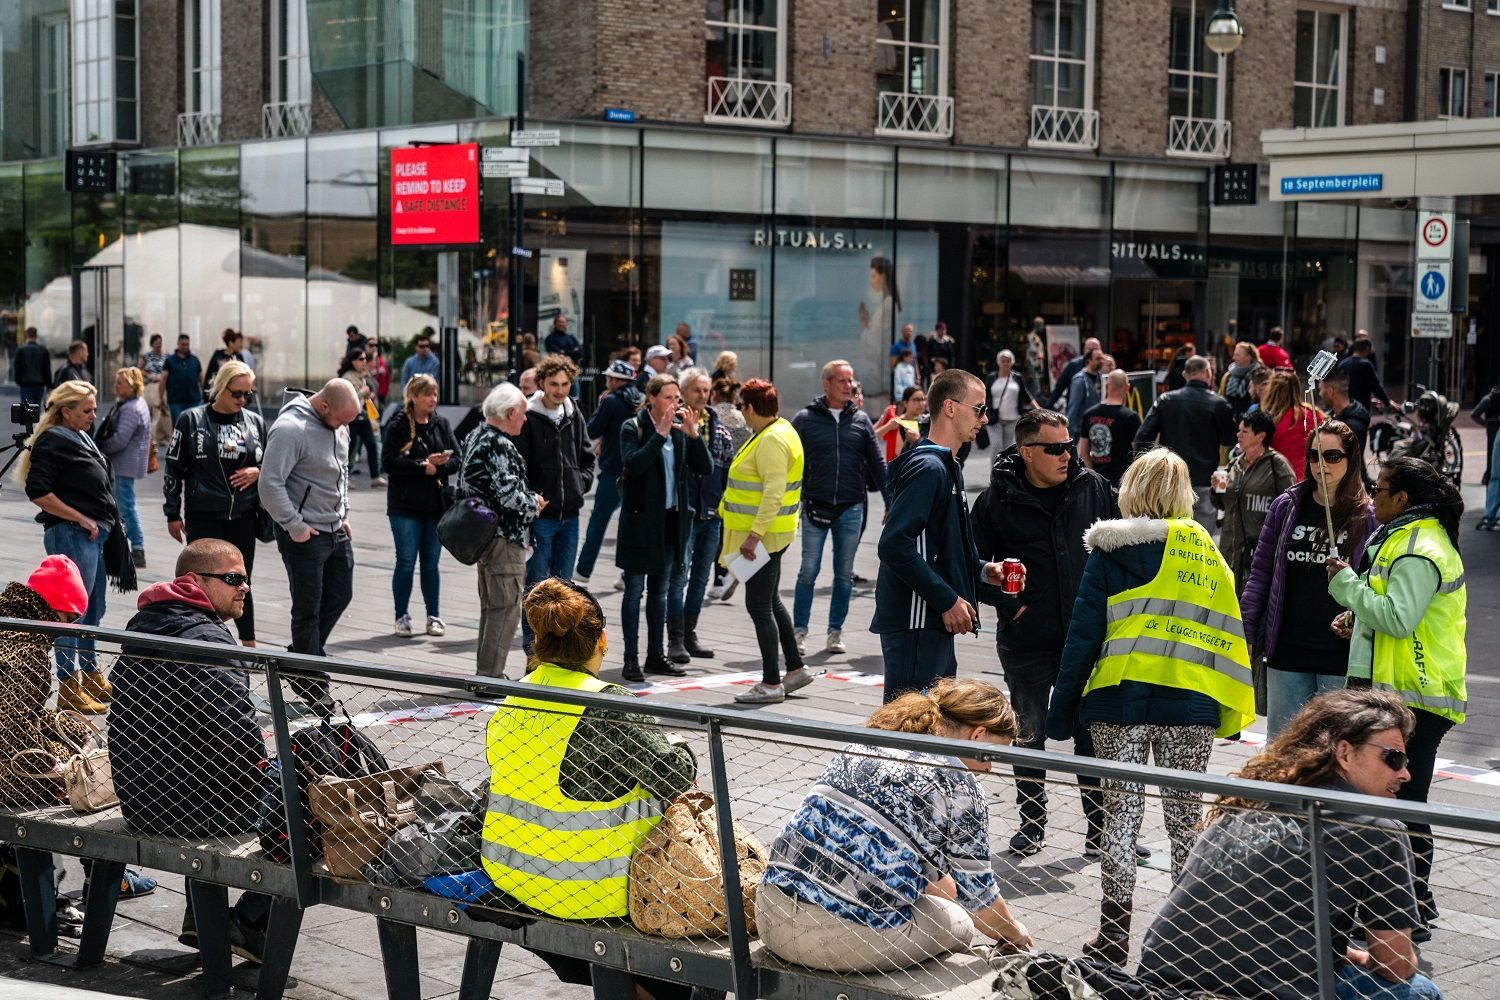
(1381, 162)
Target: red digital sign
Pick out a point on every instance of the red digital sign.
(435, 195)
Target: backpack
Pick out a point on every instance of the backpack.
(325, 750)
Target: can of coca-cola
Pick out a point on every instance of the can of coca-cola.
(1012, 576)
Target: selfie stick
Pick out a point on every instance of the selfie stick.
(1318, 369)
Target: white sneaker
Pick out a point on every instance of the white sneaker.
(801, 636)
(403, 626)
(762, 694)
(796, 680)
(435, 626)
(580, 579)
(715, 592)
(835, 642)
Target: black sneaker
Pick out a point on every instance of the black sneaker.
(632, 671)
(656, 663)
(246, 940)
(1027, 840)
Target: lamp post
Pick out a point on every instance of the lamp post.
(1223, 33)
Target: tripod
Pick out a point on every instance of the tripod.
(17, 447)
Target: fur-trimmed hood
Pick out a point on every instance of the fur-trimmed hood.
(1119, 533)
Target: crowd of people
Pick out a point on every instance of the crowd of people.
(1153, 582)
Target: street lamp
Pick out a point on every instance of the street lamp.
(1224, 31)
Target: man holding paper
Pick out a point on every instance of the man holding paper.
(760, 512)
(930, 570)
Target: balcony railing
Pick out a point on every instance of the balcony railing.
(1207, 138)
(198, 128)
(733, 101)
(918, 116)
(285, 118)
(1064, 128)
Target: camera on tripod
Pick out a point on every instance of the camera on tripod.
(25, 414)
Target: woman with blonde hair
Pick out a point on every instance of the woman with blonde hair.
(68, 477)
(125, 439)
(1282, 400)
(211, 470)
(418, 446)
(726, 365)
(886, 863)
(1155, 663)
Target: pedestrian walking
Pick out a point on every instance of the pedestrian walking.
(1083, 393)
(211, 474)
(354, 341)
(1109, 429)
(183, 376)
(839, 441)
(1073, 367)
(1235, 385)
(375, 355)
(1039, 503)
(1195, 422)
(32, 369)
(493, 471)
(727, 366)
(1155, 663)
(692, 573)
(233, 350)
(152, 365)
(900, 425)
(76, 368)
(356, 368)
(423, 362)
(1272, 354)
(560, 341)
(304, 486)
(1282, 400)
(619, 403)
(1407, 621)
(1257, 475)
(929, 567)
(419, 445)
(1009, 398)
(1365, 386)
(1334, 392)
(760, 512)
(125, 438)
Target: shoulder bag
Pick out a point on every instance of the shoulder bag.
(467, 526)
(677, 879)
(86, 774)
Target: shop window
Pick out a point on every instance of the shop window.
(911, 68)
(104, 72)
(290, 109)
(1195, 86)
(1453, 92)
(1318, 82)
(1062, 74)
(198, 125)
(745, 62)
(52, 77)
(1491, 84)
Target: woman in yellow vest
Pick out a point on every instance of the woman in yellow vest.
(1407, 621)
(1155, 663)
(573, 791)
(760, 506)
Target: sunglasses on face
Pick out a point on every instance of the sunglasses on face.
(1394, 759)
(424, 347)
(1056, 449)
(240, 395)
(1331, 456)
(233, 579)
(980, 410)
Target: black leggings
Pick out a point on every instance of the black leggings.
(772, 623)
(362, 432)
(240, 533)
(1421, 754)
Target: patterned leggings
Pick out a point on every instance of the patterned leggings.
(1185, 748)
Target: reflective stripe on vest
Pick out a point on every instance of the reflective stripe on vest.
(1182, 630)
(740, 505)
(1426, 669)
(564, 857)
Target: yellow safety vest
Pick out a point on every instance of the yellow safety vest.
(1182, 630)
(566, 858)
(741, 503)
(1426, 669)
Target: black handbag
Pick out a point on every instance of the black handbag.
(329, 749)
(466, 529)
(265, 527)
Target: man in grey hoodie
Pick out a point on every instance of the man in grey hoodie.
(304, 485)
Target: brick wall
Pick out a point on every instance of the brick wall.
(1374, 28)
(243, 84)
(160, 70)
(1130, 76)
(1447, 40)
(832, 52)
(989, 76)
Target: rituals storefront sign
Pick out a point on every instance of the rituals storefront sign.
(808, 239)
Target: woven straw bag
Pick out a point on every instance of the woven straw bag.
(677, 880)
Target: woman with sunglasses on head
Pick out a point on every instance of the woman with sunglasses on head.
(1286, 597)
(1407, 620)
(356, 368)
(211, 470)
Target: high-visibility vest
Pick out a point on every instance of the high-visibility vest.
(1425, 669)
(741, 503)
(566, 858)
(1182, 630)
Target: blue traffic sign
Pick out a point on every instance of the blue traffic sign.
(1433, 286)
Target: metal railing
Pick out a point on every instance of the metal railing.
(738, 101)
(198, 128)
(1064, 128)
(917, 116)
(285, 118)
(1206, 138)
(437, 730)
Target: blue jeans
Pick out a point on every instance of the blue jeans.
(1492, 492)
(129, 517)
(72, 541)
(176, 410)
(554, 545)
(1287, 692)
(1354, 983)
(690, 577)
(416, 537)
(33, 393)
(845, 531)
(606, 502)
(656, 613)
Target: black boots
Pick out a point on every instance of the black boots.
(658, 664)
(1112, 944)
(675, 652)
(690, 639)
(632, 671)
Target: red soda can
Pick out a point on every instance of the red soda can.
(1012, 576)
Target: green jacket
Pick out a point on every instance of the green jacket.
(1411, 587)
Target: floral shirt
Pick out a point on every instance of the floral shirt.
(494, 471)
(151, 365)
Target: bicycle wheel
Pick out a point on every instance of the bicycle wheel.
(1453, 457)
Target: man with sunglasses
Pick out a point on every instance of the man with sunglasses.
(929, 568)
(1195, 422)
(424, 361)
(1039, 503)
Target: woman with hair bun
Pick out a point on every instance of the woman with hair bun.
(850, 886)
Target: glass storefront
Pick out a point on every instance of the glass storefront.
(788, 251)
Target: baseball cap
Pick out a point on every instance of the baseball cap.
(620, 368)
(657, 352)
(58, 582)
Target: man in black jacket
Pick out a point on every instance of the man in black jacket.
(186, 749)
(616, 406)
(1039, 503)
(31, 368)
(841, 457)
(1195, 422)
(77, 368)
